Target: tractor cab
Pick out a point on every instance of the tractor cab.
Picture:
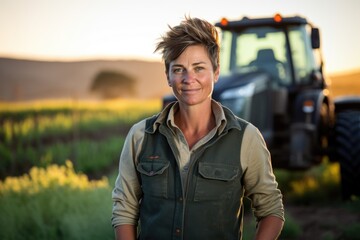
(271, 75)
(285, 48)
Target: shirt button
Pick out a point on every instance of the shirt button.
(178, 231)
(180, 199)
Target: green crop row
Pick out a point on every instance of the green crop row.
(89, 134)
(31, 124)
(89, 156)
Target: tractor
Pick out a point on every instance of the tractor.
(272, 75)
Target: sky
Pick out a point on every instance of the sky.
(69, 30)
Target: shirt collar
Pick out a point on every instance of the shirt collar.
(167, 115)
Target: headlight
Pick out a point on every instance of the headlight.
(237, 99)
(243, 91)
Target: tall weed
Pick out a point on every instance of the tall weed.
(55, 203)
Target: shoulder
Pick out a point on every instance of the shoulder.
(253, 137)
(134, 140)
(233, 120)
(137, 131)
(251, 130)
(146, 125)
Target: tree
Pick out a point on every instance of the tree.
(111, 84)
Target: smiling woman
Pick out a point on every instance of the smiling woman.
(192, 76)
(177, 156)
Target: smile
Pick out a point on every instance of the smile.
(190, 90)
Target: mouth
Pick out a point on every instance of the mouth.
(190, 91)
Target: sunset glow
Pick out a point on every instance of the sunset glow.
(113, 29)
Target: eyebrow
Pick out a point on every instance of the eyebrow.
(198, 63)
(177, 65)
(194, 64)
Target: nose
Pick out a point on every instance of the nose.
(189, 77)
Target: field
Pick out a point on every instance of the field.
(347, 83)
(59, 161)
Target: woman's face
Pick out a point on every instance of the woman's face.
(192, 76)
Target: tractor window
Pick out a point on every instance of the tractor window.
(225, 52)
(302, 55)
(257, 49)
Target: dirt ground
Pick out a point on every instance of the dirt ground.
(323, 221)
(333, 220)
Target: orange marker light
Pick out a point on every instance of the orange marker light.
(224, 22)
(277, 18)
(308, 106)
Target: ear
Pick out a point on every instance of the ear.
(168, 79)
(216, 74)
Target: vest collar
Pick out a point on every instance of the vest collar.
(225, 119)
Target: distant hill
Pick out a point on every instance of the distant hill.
(346, 83)
(22, 80)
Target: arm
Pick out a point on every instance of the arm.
(127, 191)
(125, 232)
(269, 228)
(261, 186)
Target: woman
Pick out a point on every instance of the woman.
(184, 172)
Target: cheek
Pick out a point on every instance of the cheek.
(173, 80)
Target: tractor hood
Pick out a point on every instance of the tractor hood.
(259, 80)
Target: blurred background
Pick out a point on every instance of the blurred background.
(76, 74)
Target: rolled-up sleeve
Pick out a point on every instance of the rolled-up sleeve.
(127, 191)
(259, 180)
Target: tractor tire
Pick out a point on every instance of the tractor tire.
(347, 142)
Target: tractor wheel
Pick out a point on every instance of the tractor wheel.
(347, 140)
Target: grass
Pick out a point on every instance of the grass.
(46, 132)
(55, 203)
(55, 200)
(58, 203)
(316, 185)
(89, 156)
(291, 229)
(25, 122)
(351, 231)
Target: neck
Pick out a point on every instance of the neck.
(195, 122)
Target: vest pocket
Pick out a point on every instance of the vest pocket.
(216, 181)
(154, 176)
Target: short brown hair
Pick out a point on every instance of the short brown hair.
(191, 31)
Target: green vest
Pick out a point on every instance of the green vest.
(211, 207)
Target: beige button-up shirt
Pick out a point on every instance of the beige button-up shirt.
(258, 178)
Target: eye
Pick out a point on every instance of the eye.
(178, 70)
(198, 68)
